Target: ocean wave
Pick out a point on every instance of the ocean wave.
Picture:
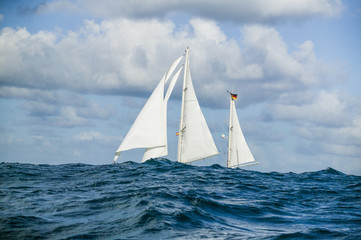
(162, 199)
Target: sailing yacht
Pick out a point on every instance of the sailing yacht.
(149, 130)
(238, 154)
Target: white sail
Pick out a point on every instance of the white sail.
(149, 128)
(161, 151)
(195, 139)
(238, 150)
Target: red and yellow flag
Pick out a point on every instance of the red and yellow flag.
(234, 96)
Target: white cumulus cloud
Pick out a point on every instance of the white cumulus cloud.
(230, 10)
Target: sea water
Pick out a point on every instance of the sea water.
(162, 199)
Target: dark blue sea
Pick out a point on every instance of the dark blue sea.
(162, 199)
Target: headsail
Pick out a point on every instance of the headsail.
(149, 129)
(161, 151)
(238, 150)
(195, 139)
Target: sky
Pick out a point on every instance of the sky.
(74, 75)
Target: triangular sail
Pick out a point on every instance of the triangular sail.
(195, 139)
(162, 150)
(149, 129)
(238, 150)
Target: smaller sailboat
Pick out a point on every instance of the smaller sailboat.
(239, 154)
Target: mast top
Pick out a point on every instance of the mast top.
(233, 95)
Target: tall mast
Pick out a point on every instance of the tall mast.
(181, 130)
(230, 131)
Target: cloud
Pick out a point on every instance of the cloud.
(40, 95)
(318, 148)
(6, 138)
(64, 78)
(326, 123)
(28, 8)
(95, 59)
(53, 72)
(112, 57)
(265, 46)
(66, 117)
(58, 108)
(256, 11)
(92, 135)
(345, 136)
(323, 109)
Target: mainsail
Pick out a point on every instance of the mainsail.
(238, 151)
(195, 140)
